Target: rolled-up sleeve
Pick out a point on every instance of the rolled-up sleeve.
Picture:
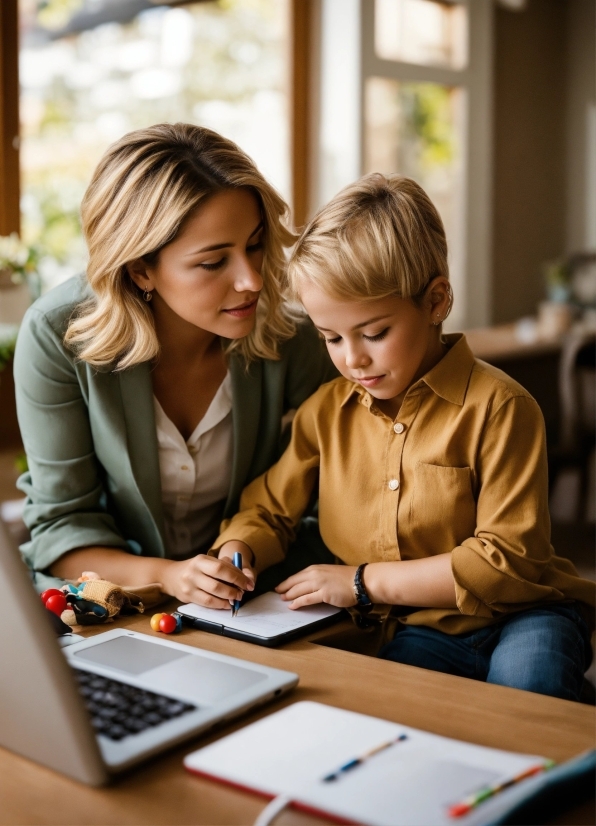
(63, 483)
(272, 505)
(505, 565)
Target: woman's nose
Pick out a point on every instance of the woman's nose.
(246, 278)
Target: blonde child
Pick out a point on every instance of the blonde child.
(430, 464)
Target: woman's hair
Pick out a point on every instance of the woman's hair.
(378, 237)
(144, 188)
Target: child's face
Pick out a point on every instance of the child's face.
(384, 344)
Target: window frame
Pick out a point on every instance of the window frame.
(473, 308)
(10, 214)
(347, 35)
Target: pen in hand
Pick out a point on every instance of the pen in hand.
(237, 564)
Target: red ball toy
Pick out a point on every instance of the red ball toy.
(51, 592)
(56, 603)
(167, 624)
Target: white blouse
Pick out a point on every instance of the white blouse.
(195, 475)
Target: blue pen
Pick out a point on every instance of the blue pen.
(357, 761)
(237, 564)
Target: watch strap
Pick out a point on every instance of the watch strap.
(363, 601)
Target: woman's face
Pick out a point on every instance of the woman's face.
(210, 275)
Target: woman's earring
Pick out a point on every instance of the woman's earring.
(147, 296)
(436, 323)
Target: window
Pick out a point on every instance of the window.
(417, 129)
(92, 70)
(406, 87)
(424, 32)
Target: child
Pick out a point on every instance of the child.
(431, 464)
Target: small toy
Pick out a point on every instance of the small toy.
(96, 601)
(87, 576)
(56, 603)
(154, 622)
(167, 624)
(49, 593)
(92, 600)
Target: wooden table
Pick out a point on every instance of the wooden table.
(534, 364)
(501, 343)
(162, 792)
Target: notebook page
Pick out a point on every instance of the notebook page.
(415, 783)
(265, 616)
(411, 783)
(291, 749)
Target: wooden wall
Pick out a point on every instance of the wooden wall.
(529, 153)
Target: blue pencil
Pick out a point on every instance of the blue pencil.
(237, 564)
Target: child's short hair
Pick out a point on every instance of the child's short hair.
(378, 237)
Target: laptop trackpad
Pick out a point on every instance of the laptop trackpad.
(199, 678)
(130, 655)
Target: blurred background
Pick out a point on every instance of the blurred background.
(489, 104)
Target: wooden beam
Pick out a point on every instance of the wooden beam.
(10, 216)
(300, 119)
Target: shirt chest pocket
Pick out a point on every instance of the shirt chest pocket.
(442, 508)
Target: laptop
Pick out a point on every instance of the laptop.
(100, 706)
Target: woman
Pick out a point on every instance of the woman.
(152, 391)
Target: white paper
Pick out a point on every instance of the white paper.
(266, 616)
(410, 783)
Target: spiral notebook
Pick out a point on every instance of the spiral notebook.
(354, 768)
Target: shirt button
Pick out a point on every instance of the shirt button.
(183, 467)
(399, 427)
(393, 484)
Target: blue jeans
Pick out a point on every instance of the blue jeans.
(545, 650)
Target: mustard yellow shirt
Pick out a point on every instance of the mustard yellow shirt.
(461, 470)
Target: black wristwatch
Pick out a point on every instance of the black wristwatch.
(363, 601)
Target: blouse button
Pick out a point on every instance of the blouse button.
(393, 484)
(183, 467)
(399, 427)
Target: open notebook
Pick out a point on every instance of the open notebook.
(265, 620)
(308, 752)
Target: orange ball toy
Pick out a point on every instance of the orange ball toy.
(155, 620)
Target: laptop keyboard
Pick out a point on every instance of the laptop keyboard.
(119, 710)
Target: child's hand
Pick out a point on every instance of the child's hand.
(332, 584)
(207, 581)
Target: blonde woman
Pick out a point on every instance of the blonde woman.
(152, 390)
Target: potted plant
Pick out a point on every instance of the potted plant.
(19, 279)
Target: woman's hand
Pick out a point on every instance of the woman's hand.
(332, 584)
(208, 581)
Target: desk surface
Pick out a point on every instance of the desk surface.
(502, 342)
(162, 792)
(498, 343)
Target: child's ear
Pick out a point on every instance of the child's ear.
(137, 270)
(439, 298)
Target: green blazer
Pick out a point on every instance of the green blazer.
(91, 442)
